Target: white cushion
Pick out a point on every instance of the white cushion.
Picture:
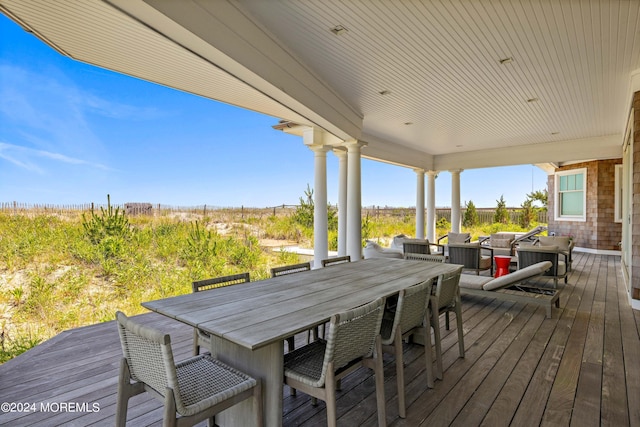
(374, 250)
(398, 240)
(562, 242)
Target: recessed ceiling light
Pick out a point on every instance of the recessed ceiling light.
(555, 133)
(408, 123)
(506, 61)
(533, 100)
(384, 92)
(459, 146)
(339, 30)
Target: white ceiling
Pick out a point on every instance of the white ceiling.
(451, 104)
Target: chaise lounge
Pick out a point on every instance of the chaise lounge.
(508, 287)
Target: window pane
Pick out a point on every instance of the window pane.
(571, 203)
(579, 180)
(563, 183)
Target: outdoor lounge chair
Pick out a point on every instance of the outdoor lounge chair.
(529, 255)
(509, 287)
(192, 391)
(470, 256)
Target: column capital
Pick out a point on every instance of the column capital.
(432, 173)
(456, 171)
(340, 152)
(319, 148)
(353, 143)
(419, 171)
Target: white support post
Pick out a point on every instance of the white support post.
(354, 200)
(455, 201)
(419, 203)
(341, 154)
(320, 224)
(431, 205)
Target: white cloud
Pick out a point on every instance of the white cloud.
(23, 157)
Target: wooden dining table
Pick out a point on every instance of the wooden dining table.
(249, 322)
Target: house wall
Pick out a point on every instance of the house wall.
(599, 231)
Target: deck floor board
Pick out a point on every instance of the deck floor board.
(581, 367)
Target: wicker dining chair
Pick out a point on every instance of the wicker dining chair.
(446, 298)
(409, 317)
(290, 269)
(192, 391)
(353, 340)
(201, 337)
(336, 260)
(425, 257)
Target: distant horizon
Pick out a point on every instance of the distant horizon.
(71, 132)
(27, 205)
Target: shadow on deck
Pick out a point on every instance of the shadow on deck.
(582, 367)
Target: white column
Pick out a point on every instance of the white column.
(341, 154)
(419, 203)
(431, 205)
(311, 137)
(455, 200)
(354, 200)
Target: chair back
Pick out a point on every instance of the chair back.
(425, 257)
(149, 356)
(447, 289)
(416, 246)
(466, 254)
(290, 269)
(336, 260)
(530, 255)
(410, 310)
(218, 282)
(352, 335)
(456, 238)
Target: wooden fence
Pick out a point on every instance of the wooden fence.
(485, 215)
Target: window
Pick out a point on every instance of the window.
(570, 197)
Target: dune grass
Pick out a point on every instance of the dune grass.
(57, 274)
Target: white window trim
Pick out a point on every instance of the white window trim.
(556, 194)
(618, 194)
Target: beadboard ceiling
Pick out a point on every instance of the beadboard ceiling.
(421, 82)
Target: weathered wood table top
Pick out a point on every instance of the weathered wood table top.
(258, 313)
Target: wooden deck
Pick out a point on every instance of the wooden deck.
(582, 367)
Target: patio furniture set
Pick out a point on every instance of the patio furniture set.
(245, 325)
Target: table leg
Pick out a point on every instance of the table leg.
(266, 364)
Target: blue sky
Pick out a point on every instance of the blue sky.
(71, 133)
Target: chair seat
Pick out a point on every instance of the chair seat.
(305, 363)
(199, 392)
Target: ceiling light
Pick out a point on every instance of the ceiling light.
(408, 123)
(555, 133)
(384, 92)
(506, 61)
(339, 30)
(533, 100)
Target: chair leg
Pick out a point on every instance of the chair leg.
(446, 320)
(169, 418)
(291, 345)
(330, 398)
(257, 396)
(397, 344)
(459, 324)
(435, 323)
(196, 346)
(379, 373)
(427, 350)
(125, 391)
